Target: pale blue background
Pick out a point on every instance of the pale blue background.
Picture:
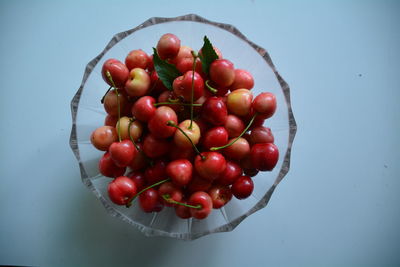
(339, 204)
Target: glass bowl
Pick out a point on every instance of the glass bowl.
(88, 114)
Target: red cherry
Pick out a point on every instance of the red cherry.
(108, 168)
(210, 165)
(264, 156)
(242, 187)
(215, 137)
(234, 126)
(118, 71)
(220, 195)
(237, 150)
(103, 137)
(170, 191)
(156, 172)
(183, 86)
(243, 79)
(121, 190)
(222, 72)
(123, 152)
(110, 120)
(155, 148)
(181, 153)
(204, 201)
(186, 64)
(158, 123)
(180, 171)
(182, 211)
(140, 161)
(137, 59)
(265, 104)
(198, 184)
(143, 109)
(261, 134)
(231, 173)
(156, 84)
(138, 178)
(150, 201)
(214, 111)
(168, 46)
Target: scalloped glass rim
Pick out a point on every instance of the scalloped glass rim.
(157, 232)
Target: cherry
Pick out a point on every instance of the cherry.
(123, 152)
(110, 120)
(243, 80)
(181, 153)
(251, 172)
(108, 168)
(183, 211)
(237, 150)
(192, 133)
(234, 126)
(144, 108)
(265, 104)
(182, 86)
(243, 187)
(220, 195)
(138, 83)
(186, 64)
(168, 99)
(180, 171)
(214, 111)
(103, 137)
(138, 178)
(137, 59)
(158, 123)
(170, 193)
(121, 190)
(154, 147)
(129, 128)
(261, 134)
(209, 165)
(217, 136)
(111, 103)
(264, 156)
(222, 72)
(168, 46)
(239, 102)
(198, 184)
(140, 161)
(230, 174)
(157, 86)
(150, 201)
(184, 52)
(157, 172)
(203, 201)
(118, 71)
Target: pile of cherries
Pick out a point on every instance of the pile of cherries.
(182, 130)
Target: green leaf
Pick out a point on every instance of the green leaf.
(166, 72)
(208, 55)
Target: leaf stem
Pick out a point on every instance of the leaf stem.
(118, 103)
(167, 198)
(129, 203)
(237, 138)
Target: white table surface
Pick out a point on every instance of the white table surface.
(339, 204)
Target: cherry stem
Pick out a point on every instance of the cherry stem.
(167, 198)
(210, 88)
(171, 123)
(129, 203)
(194, 54)
(104, 96)
(108, 74)
(174, 103)
(237, 138)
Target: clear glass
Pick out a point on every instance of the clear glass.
(88, 114)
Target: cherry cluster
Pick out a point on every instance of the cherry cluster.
(182, 129)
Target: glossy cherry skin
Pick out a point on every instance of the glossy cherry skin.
(150, 201)
(211, 166)
(204, 200)
(139, 162)
(180, 171)
(214, 111)
(129, 129)
(154, 147)
(237, 150)
(166, 96)
(239, 102)
(198, 184)
(215, 137)
(243, 187)
(181, 153)
(108, 168)
(265, 104)
(156, 173)
(264, 156)
(157, 87)
(123, 152)
(138, 178)
(171, 191)
(137, 59)
(194, 134)
(138, 83)
(222, 72)
(220, 195)
(261, 134)
(158, 123)
(119, 72)
(234, 126)
(111, 103)
(168, 46)
(184, 52)
(232, 172)
(243, 79)
(121, 190)
(103, 137)
(182, 86)
(182, 211)
(110, 120)
(186, 64)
